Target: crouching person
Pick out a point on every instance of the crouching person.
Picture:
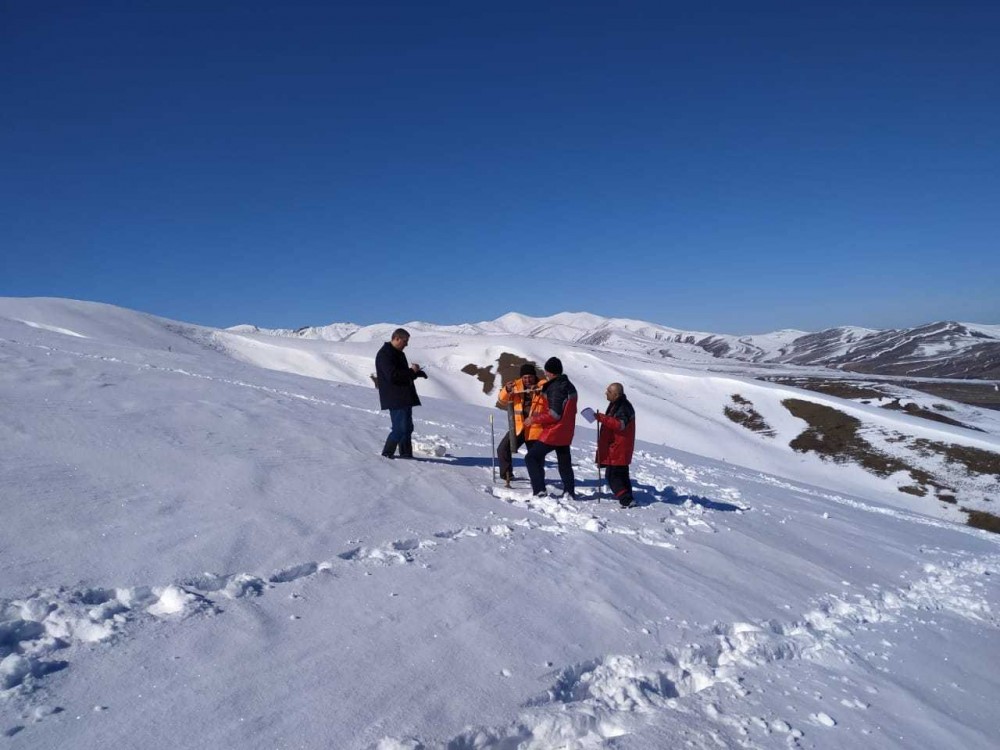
(617, 442)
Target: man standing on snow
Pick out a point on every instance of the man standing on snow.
(616, 443)
(558, 422)
(397, 392)
(523, 394)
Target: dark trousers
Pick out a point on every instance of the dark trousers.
(535, 461)
(619, 482)
(505, 455)
(402, 424)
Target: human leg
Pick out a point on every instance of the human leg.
(396, 420)
(406, 447)
(389, 449)
(566, 470)
(620, 484)
(535, 461)
(504, 457)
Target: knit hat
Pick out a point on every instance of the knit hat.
(553, 365)
(528, 368)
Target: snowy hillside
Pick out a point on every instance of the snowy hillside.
(682, 404)
(201, 548)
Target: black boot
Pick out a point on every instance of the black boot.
(406, 448)
(390, 449)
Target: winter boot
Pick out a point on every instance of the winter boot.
(406, 448)
(390, 449)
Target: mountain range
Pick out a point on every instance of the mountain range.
(945, 349)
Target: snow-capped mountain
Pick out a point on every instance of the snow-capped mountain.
(939, 350)
(942, 350)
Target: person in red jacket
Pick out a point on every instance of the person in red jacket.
(616, 443)
(558, 420)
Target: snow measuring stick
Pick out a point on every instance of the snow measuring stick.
(512, 428)
(600, 478)
(493, 450)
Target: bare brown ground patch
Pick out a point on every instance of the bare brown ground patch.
(980, 519)
(485, 375)
(834, 434)
(975, 460)
(837, 388)
(973, 394)
(916, 411)
(508, 368)
(745, 415)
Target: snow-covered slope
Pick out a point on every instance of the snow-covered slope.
(199, 552)
(680, 406)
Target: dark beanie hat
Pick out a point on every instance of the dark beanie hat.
(528, 369)
(553, 365)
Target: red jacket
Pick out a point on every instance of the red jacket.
(559, 418)
(617, 440)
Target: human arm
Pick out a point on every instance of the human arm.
(623, 416)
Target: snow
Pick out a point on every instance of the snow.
(991, 331)
(202, 548)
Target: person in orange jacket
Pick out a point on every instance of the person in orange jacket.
(523, 393)
(617, 442)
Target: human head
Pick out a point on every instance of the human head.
(400, 338)
(553, 366)
(528, 374)
(614, 392)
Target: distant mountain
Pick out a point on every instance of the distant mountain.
(941, 350)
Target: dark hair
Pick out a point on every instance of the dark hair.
(400, 333)
(553, 365)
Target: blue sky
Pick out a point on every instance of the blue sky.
(729, 167)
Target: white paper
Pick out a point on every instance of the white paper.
(588, 414)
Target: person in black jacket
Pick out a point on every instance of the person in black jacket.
(397, 392)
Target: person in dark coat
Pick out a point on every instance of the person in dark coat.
(558, 422)
(617, 442)
(396, 392)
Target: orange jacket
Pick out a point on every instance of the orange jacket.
(526, 403)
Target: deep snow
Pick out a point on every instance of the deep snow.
(199, 552)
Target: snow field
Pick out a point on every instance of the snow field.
(201, 553)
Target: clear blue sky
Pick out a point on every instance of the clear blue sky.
(733, 167)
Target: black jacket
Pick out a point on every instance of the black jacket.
(395, 379)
